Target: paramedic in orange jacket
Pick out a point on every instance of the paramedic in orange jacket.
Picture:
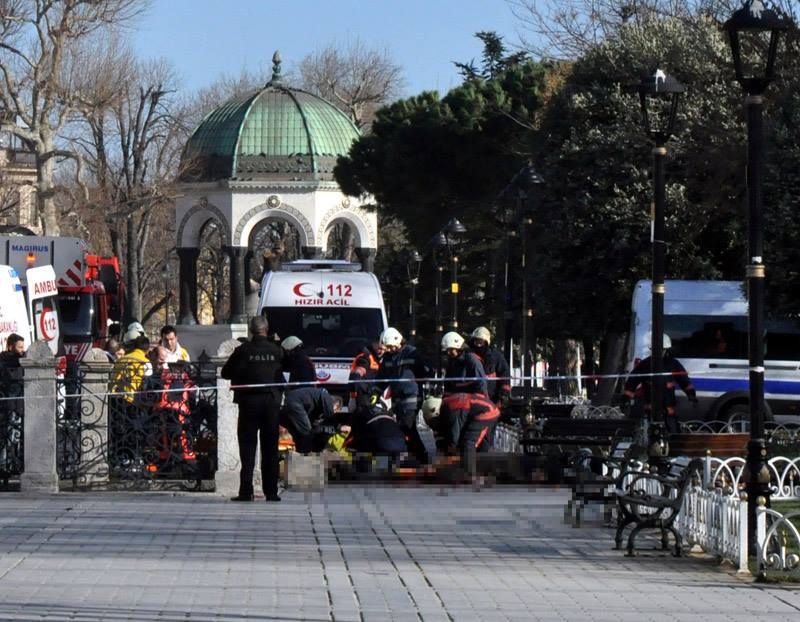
(365, 367)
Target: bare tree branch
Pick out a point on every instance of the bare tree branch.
(357, 79)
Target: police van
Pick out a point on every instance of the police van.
(333, 307)
(707, 324)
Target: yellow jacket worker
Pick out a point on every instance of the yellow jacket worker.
(131, 369)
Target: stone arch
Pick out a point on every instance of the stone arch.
(251, 218)
(188, 234)
(356, 217)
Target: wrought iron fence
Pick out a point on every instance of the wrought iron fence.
(12, 411)
(162, 435)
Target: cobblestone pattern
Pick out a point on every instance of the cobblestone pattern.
(356, 553)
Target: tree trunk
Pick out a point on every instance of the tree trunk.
(134, 295)
(48, 215)
(565, 363)
(589, 367)
(610, 366)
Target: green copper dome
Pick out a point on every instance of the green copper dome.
(273, 133)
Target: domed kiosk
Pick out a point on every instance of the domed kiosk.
(267, 154)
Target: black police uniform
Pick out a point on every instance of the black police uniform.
(257, 362)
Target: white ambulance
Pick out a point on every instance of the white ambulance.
(333, 307)
(30, 310)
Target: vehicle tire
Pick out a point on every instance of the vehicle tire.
(737, 417)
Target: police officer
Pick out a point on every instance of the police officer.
(256, 376)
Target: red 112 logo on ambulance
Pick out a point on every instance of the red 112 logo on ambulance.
(48, 324)
(301, 289)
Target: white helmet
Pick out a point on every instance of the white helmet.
(452, 340)
(290, 343)
(131, 336)
(136, 326)
(482, 333)
(430, 408)
(391, 337)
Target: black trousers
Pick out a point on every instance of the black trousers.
(295, 419)
(258, 421)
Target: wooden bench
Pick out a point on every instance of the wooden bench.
(596, 477)
(649, 501)
(696, 444)
(580, 432)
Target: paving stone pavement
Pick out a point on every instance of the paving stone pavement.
(357, 553)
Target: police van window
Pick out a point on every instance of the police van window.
(703, 336)
(782, 340)
(723, 337)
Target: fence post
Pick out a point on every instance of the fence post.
(96, 370)
(761, 530)
(39, 473)
(743, 539)
(226, 479)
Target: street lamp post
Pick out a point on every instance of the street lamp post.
(412, 268)
(521, 186)
(452, 231)
(658, 97)
(439, 242)
(754, 32)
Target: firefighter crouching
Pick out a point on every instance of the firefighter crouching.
(465, 421)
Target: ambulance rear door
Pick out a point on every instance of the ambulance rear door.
(42, 290)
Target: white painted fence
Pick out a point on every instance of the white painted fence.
(778, 542)
(715, 518)
(716, 522)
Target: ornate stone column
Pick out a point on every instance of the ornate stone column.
(237, 255)
(367, 258)
(187, 311)
(40, 435)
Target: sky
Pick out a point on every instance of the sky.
(205, 39)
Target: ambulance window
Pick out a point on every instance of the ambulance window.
(333, 332)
